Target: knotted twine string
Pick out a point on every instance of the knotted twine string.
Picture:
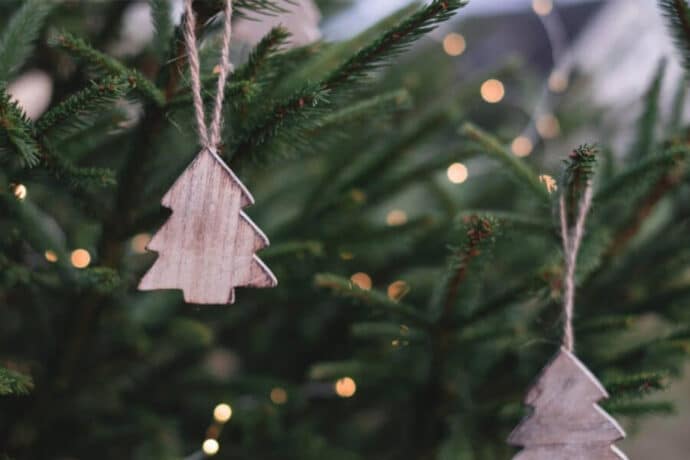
(209, 137)
(571, 245)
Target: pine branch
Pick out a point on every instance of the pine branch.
(620, 186)
(646, 125)
(577, 176)
(392, 42)
(523, 174)
(17, 130)
(92, 100)
(14, 383)
(266, 48)
(636, 386)
(161, 14)
(678, 19)
(369, 58)
(105, 63)
(294, 109)
(375, 299)
(636, 409)
(479, 233)
(16, 42)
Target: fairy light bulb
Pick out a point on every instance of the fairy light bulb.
(457, 173)
(521, 146)
(80, 258)
(222, 413)
(19, 191)
(362, 280)
(210, 447)
(492, 91)
(454, 44)
(542, 7)
(345, 387)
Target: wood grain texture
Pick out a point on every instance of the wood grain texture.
(207, 247)
(566, 422)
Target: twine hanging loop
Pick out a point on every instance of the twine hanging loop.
(209, 137)
(572, 238)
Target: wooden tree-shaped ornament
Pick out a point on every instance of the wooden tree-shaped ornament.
(207, 247)
(566, 422)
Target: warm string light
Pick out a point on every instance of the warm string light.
(558, 81)
(542, 7)
(361, 280)
(397, 290)
(278, 396)
(139, 242)
(345, 387)
(457, 173)
(19, 191)
(50, 256)
(454, 44)
(210, 447)
(80, 258)
(222, 413)
(492, 91)
(396, 217)
(521, 146)
(548, 126)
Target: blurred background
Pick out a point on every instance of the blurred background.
(543, 75)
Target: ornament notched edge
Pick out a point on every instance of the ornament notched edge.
(270, 278)
(547, 450)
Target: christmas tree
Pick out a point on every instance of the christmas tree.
(412, 233)
(207, 247)
(566, 420)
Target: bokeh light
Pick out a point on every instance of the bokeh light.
(542, 7)
(457, 173)
(80, 258)
(19, 191)
(492, 91)
(345, 387)
(521, 146)
(397, 290)
(210, 447)
(139, 242)
(558, 81)
(548, 126)
(50, 256)
(361, 280)
(222, 413)
(279, 395)
(396, 217)
(454, 44)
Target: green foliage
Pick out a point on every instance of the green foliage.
(346, 157)
(644, 144)
(103, 63)
(161, 13)
(16, 130)
(16, 41)
(678, 18)
(81, 105)
(14, 383)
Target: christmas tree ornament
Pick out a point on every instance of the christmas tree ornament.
(566, 423)
(207, 247)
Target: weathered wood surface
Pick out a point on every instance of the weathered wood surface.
(566, 423)
(207, 247)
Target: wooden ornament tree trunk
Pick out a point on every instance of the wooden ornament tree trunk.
(207, 247)
(567, 423)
